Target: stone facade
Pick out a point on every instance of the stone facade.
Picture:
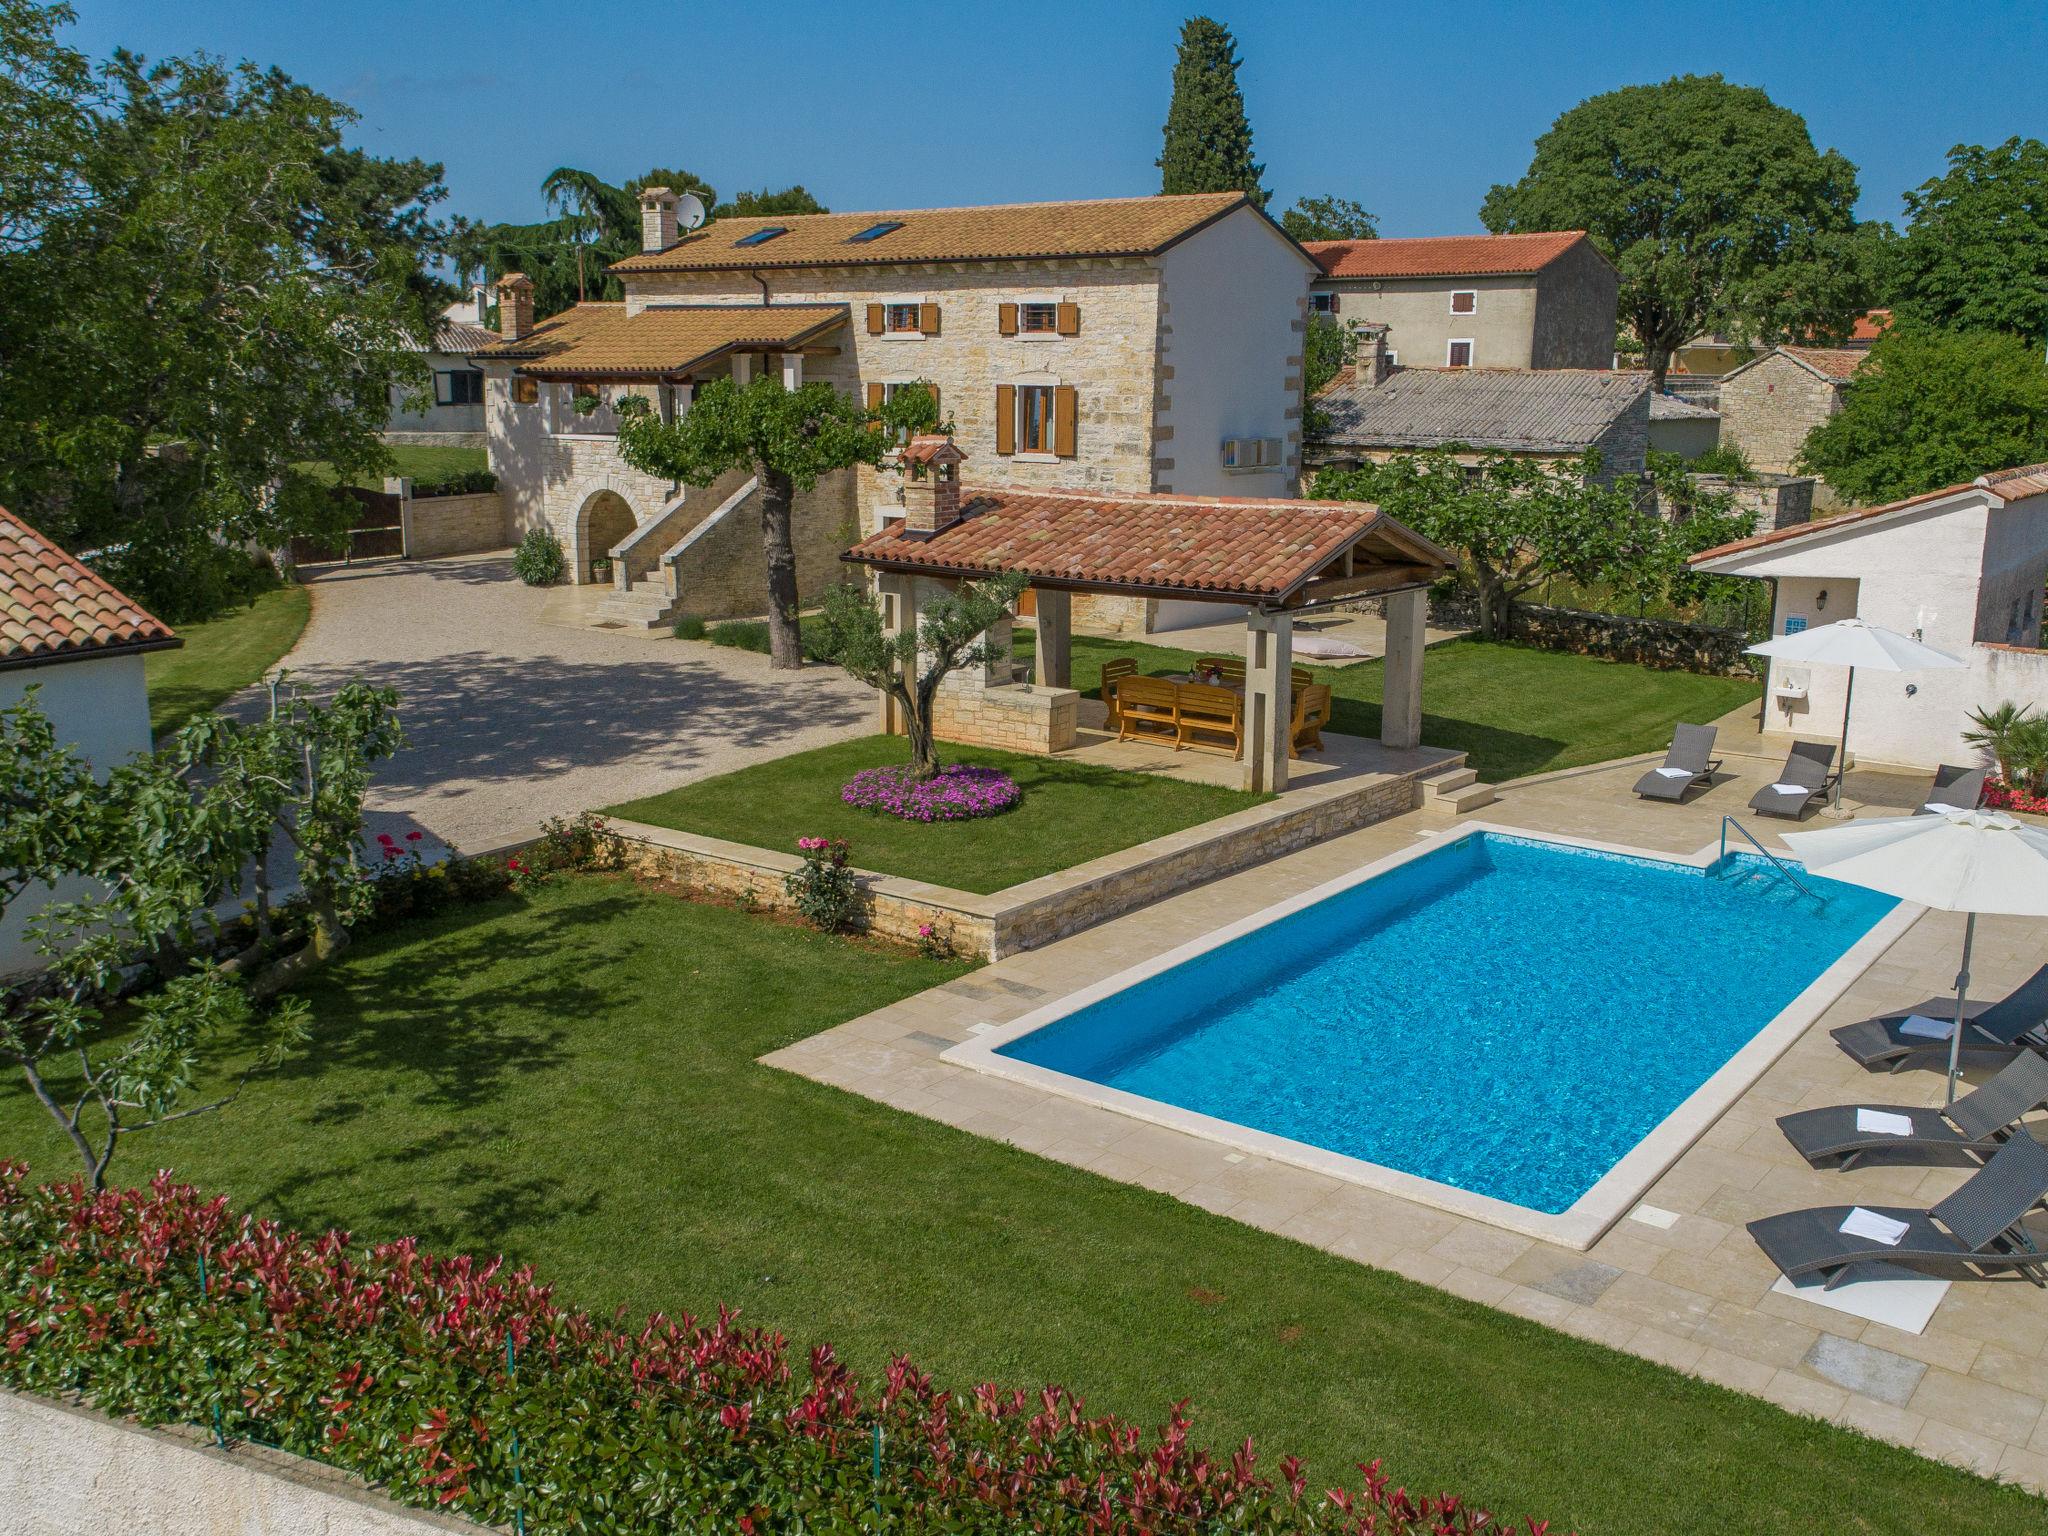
(1017, 717)
(1769, 407)
(718, 572)
(450, 525)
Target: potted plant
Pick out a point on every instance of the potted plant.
(601, 570)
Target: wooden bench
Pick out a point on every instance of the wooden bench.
(1114, 671)
(1311, 714)
(1147, 709)
(1210, 718)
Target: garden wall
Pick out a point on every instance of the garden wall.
(454, 525)
(1664, 644)
(436, 439)
(1037, 912)
(65, 1469)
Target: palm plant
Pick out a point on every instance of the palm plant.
(2002, 733)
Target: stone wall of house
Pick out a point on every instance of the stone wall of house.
(1626, 441)
(1779, 501)
(1575, 311)
(1768, 410)
(1110, 363)
(720, 572)
(453, 525)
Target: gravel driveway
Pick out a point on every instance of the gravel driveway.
(511, 720)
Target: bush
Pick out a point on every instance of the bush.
(538, 561)
(689, 629)
(752, 635)
(455, 482)
(205, 581)
(823, 891)
(958, 793)
(455, 1383)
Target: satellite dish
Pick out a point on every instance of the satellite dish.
(689, 210)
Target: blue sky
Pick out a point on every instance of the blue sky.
(1414, 110)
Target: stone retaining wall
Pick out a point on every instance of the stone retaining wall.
(477, 439)
(65, 1469)
(454, 525)
(1664, 644)
(1037, 912)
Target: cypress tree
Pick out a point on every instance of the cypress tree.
(1208, 138)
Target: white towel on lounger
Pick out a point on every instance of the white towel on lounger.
(1675, 773)
(1926, 1028)
(1870, 1225)
(1882, 1122)
(1792, 789)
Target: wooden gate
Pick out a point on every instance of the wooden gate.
(373, 531)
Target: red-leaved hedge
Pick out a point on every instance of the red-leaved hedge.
(458, 1383)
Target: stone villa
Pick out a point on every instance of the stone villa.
(1475, 301)
(1143, 345)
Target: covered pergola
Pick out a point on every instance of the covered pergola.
(1276, 559)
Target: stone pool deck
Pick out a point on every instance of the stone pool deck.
(1679, 1280)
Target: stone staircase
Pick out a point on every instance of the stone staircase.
(646, 607)
(1456, 790)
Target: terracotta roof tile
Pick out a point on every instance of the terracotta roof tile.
(52, 605)
(661, 339)
(1120, 226)
(1443, 255)
(1238, 548)
(1835, 362)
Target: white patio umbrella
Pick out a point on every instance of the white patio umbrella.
(1954, 861)
(1852, 643)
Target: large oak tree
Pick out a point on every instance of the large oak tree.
(1975, 256)
(1714, 204)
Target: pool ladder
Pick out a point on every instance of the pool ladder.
(1782, 867)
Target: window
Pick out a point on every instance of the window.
(461, 386)
(1039, 319)
(899, 318)
(1322, 303)
(1034, 418)
(1459, 353)
(525, 391)
(762, 236)
(874, 232)
(1465, 301)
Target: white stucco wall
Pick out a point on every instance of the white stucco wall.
(65, 1469)
(1233, 315)
(100, 707)
(1946, 570)
(1421, 327)
(416, 413)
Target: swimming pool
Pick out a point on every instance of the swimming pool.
(1505, 1016)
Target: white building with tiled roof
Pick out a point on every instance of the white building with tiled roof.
(1475, 301)
(1133, 344)
(450, 413)
(1961, 568)
(77, 641)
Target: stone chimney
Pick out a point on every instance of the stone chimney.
(515, 305)
(657, 218)
(1372, 365)
(931, 483)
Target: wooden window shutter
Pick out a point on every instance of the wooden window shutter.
(1065, 408)
(928, 384)
(928, 319)
(1070, 319)
(874, 397)
(1006, 319)
(1336, 303)
(874, 319)
(1006, 418)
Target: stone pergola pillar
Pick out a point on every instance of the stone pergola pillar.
(792, 371)
(1053, 663)
(898, 595)
(1401, 703)
(1268, 699)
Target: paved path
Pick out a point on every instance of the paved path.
(511, 720)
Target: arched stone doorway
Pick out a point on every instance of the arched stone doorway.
(606, 519)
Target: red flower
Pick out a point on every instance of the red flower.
(413, 836)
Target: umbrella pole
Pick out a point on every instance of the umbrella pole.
(1955, 1035)
(1842, 752)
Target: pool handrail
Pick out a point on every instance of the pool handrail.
(1782, 867)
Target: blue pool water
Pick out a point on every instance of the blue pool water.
(1501, 1014)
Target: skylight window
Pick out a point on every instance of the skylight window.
(874, 231)
(762, 236)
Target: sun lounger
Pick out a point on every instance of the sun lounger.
(1689, 761)
(1975, 1233)
(1804, 779)
(1954, 789)
(1977, 1123)
(2015, 1023)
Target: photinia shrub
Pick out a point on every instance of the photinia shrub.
(959, 792)
(456, 1383)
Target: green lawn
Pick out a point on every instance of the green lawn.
(422, 463)
(223, 656)
(1516, 710)
(1069, 813)
(570, 1078)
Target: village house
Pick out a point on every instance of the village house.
(1769, 406)
(1961, 569)
(1475, 301)
(451, 412)
(1146, 344)
(1373, 411)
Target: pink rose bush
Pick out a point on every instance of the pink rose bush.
(960, 792)
(458, 1383)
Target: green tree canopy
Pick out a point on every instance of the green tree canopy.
(766, 202)
(1208, 138)
(1933, 408)
(1712, 201)
(1329, 218)
(1975, 256)
(201, 290)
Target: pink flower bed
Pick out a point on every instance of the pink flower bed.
(2000, 796)
(959, 793)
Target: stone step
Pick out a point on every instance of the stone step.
(1459, 801)
(1450, 779)
(642, 608)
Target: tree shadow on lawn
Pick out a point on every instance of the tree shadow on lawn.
(1495, 753)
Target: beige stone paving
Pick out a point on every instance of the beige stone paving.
(1970, 1389)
